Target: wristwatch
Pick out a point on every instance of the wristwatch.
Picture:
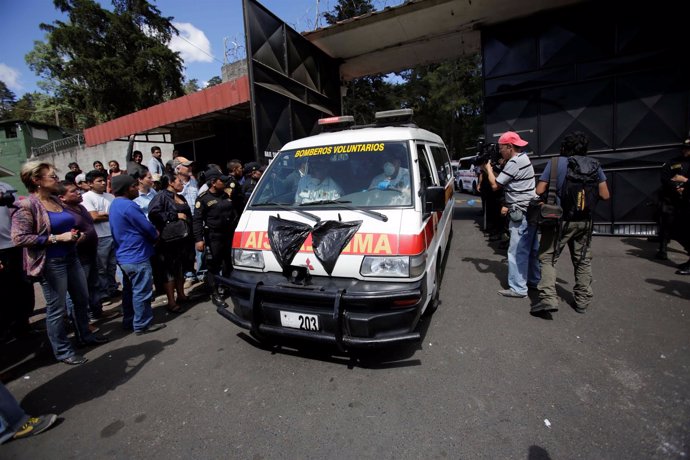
(53, 239)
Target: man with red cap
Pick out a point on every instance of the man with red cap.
(517, 178)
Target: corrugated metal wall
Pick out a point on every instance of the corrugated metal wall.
(617, 72)
(293, 83)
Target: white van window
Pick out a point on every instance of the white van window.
(424, 169)
(364, 174)
(445, 172)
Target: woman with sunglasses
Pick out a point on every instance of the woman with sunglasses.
(47, 231)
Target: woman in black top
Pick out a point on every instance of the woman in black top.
(168, 206)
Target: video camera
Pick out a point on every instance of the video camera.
(486, 153)
(7, 198)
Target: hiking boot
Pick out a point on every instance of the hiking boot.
(218, 301)
(35, 425)
(541, 306)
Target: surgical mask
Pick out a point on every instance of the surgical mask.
(388, 169)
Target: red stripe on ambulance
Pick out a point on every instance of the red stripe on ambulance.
(361, 243)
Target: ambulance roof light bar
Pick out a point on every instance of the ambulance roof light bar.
(395, 117)
(336, 123)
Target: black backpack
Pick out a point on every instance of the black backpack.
(580, 192)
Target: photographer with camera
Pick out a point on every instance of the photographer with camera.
(675, 205)
(517, 179)
(14, 316)
(492, 200)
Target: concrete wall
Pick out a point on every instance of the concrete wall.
(115, 150)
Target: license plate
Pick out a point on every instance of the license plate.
(299, 321)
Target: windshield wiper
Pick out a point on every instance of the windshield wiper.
(284, 207)
(343, 204)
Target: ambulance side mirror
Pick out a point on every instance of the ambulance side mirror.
(435, 199)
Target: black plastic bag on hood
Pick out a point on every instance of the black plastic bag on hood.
(286, 237)
(329, 238)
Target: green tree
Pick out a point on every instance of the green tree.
(365, 95)
(7, 101)
(213, 81)
(447, 99)
(106, 64)
(191, 86)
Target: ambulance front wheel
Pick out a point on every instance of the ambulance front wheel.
(435, 297)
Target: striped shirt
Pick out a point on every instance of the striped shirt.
(517, 178)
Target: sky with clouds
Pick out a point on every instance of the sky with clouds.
(210, 31)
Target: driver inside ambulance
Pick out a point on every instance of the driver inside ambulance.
(317, 184)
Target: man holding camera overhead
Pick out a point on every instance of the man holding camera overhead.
(517, 179)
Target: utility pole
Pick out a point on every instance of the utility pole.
(316, 21)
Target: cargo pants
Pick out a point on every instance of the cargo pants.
(576, 236)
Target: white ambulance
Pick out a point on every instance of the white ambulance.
(343, 239)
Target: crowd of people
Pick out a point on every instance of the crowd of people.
(150, 226)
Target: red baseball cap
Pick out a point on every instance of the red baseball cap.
(510, 137)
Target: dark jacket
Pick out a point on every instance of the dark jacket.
(216, 212)
(163, 209)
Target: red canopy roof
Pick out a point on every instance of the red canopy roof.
(193, 105)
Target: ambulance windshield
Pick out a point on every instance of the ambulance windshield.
(365, 174)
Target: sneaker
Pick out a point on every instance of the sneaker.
(74, 360)
(151, 328)
(581, 310)
(511, 293)
(684, 271)
(35, 425)
(93, 329)
(661, 255)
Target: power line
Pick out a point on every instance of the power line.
(200, 49)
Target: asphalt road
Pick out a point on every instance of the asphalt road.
(487, 380)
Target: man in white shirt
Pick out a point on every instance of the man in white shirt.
(97, 202)
(156, 165)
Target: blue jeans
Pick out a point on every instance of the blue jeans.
(199, 268)
(137, 293)
(12, 416)
(523, 256)
(95, 307)
(60, 276)
(107, 265)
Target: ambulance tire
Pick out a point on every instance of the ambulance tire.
(435, 297)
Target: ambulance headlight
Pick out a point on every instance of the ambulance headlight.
(393, 266)
(247, 258)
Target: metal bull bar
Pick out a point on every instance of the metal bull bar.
(257, 325)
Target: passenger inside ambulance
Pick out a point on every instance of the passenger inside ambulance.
(393, 177)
